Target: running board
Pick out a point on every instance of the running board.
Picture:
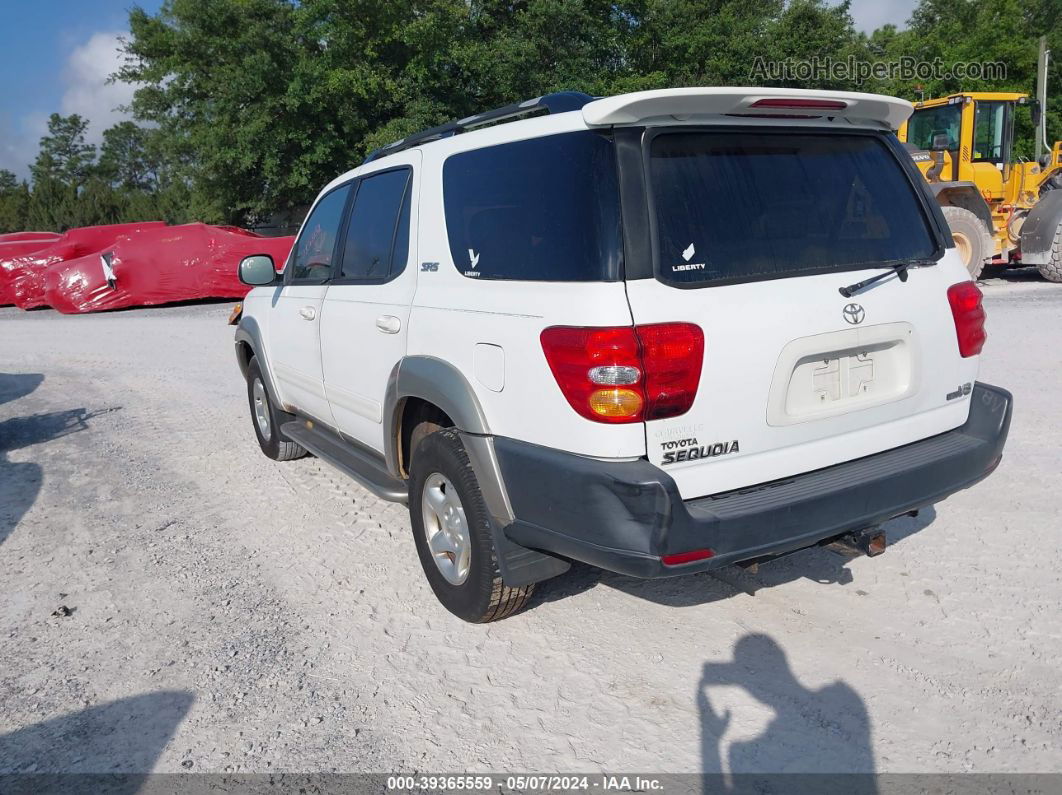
(365, 466)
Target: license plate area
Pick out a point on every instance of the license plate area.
(839, 372)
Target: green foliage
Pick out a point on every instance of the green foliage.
(137, 177)
(220, 79)
(125, 160)
(246, 108)
(64, 155)
(52, 205)
(14, 203)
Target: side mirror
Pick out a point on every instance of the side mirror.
(941, 142)
(257, 270)
(1036, 111)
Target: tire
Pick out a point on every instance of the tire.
(972, 238)
(466, 580)
(267, 418)
(1052, 269)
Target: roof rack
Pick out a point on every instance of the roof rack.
(558, 102)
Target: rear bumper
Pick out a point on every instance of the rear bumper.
(627, 516)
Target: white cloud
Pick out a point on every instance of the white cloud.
(872, 14)
(86, 91)
(19, 139)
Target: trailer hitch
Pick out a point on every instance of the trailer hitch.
(870, 542)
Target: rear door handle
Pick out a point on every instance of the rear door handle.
(308, 313)
(388, 324)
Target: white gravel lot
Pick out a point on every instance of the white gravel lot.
(228, 613)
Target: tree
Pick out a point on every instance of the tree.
(274, 97)
(245, 108)
(978, 31)
(64, 155)
(14, 202)
(52, 205)
(125, 161)
(98, 203)
(217, 79)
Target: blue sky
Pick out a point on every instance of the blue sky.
(872, 14)
(55, 56)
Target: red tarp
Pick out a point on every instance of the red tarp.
(159, 265)
(22, 282)
(40, 239)
(19, 244)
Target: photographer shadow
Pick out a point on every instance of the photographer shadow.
(108, 748)
(816, 740)
(20, 482)
(17, 385)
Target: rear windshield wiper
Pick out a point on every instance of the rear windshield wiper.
(898, 268)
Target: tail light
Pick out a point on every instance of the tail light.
(625, 374)
(803, 104)
(965, 299)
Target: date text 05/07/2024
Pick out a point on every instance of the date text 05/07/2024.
(524, 782)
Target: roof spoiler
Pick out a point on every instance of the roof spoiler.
(687, 103)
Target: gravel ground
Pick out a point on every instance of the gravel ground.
(174, 601)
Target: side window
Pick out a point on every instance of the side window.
(927, 123)
(377, 238)
(989, 127)
(545, 209)
(312, 257)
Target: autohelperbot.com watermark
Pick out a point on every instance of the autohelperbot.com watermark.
(857, 70)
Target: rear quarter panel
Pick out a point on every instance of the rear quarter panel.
(452, 314)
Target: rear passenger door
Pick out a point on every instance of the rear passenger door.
(366, 313)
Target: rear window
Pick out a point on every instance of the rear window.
(546, 209)
(741, 206)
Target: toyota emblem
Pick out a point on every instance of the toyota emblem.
(854, 314)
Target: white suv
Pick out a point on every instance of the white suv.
(658, 333)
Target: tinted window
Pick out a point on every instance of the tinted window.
(546, 209)
(378, 233)
(400, 252)
(757, 205)
(313, 253)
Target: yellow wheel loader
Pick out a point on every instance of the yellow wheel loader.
(1001, 212)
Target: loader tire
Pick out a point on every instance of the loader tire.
(972, 238)
(1052, 269)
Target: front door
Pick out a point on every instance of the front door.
(295, 322)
